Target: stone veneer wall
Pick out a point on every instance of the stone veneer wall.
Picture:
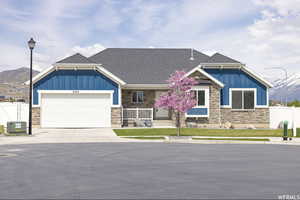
(36, 117)
(149, 99)
(259, 118)
(116, 117)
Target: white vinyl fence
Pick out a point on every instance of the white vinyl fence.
(16, 111)
(280, 114)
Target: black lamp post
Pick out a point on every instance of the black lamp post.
(31, 44)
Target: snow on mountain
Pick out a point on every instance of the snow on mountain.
(283, 88)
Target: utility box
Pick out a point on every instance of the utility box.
(16, 127)
(285, 130)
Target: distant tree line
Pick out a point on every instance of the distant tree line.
(295, 103)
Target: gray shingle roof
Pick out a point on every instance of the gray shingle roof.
(76, 58)
(219, 58)
(147, 66)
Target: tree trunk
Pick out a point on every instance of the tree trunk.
(178, 124)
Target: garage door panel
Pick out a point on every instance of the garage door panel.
(76, 110)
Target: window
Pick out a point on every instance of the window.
(242, 99)
(138, 97)
(200, 97)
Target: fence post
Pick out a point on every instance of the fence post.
(137, 113)
(294, 122)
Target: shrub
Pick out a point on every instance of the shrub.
(1, 129)
(298, 132)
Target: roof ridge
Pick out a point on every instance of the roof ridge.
(223, 57)
(87, 60)
(161, 48)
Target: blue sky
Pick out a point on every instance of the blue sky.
(259, 33)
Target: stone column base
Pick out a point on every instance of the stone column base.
(116, 117)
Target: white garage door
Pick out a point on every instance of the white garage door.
(75, 110)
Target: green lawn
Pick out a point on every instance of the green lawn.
(1, 129)
(16, 134)
(201, 132)
(236, 139)
(146, 138)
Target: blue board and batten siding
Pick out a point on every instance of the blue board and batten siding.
(75, 80)
(198, 111)
(235, 78)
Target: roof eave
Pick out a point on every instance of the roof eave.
(221, 64)
(198, 68)
(76, 66)
(242, 67)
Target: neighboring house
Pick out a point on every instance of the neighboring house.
(118, 85)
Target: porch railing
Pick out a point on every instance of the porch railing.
(137, 113)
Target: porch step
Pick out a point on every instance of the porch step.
(163, 123)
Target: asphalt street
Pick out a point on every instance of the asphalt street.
(149, 170)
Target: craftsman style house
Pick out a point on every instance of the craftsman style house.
(117, 86)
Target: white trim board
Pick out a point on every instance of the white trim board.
(95, 67)
(198, 68)
(241, 67)
(145, 86)
(40, 92)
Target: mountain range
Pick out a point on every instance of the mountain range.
(16, 76)
(11, 83)
(286, 88)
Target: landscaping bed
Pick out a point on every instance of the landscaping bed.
(201, 132)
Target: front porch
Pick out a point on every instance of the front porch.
(153, 117)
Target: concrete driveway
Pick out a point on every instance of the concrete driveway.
(149, 171)
(65, 136)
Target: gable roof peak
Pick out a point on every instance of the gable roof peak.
(75, 58)
(220, 58)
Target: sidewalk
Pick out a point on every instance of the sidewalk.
(107, 135)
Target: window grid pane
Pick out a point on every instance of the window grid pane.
(134, 97)
(201, 98)
(237, 100)
(140, 97)
(248, 99)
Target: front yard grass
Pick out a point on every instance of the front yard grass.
(201, 132)
(1, 129)
(146, 138)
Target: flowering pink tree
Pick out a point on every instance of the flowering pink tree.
(179, 98)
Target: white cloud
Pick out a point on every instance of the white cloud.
(88, 50)
(260, 33)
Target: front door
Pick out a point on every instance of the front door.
(160, 113)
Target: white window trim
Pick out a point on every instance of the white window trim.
(206, 90)
(242, 89)
(40, 92)
(137, 91)
(198, 68)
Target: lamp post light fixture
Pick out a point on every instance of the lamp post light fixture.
(286, 81)
(31, 44)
